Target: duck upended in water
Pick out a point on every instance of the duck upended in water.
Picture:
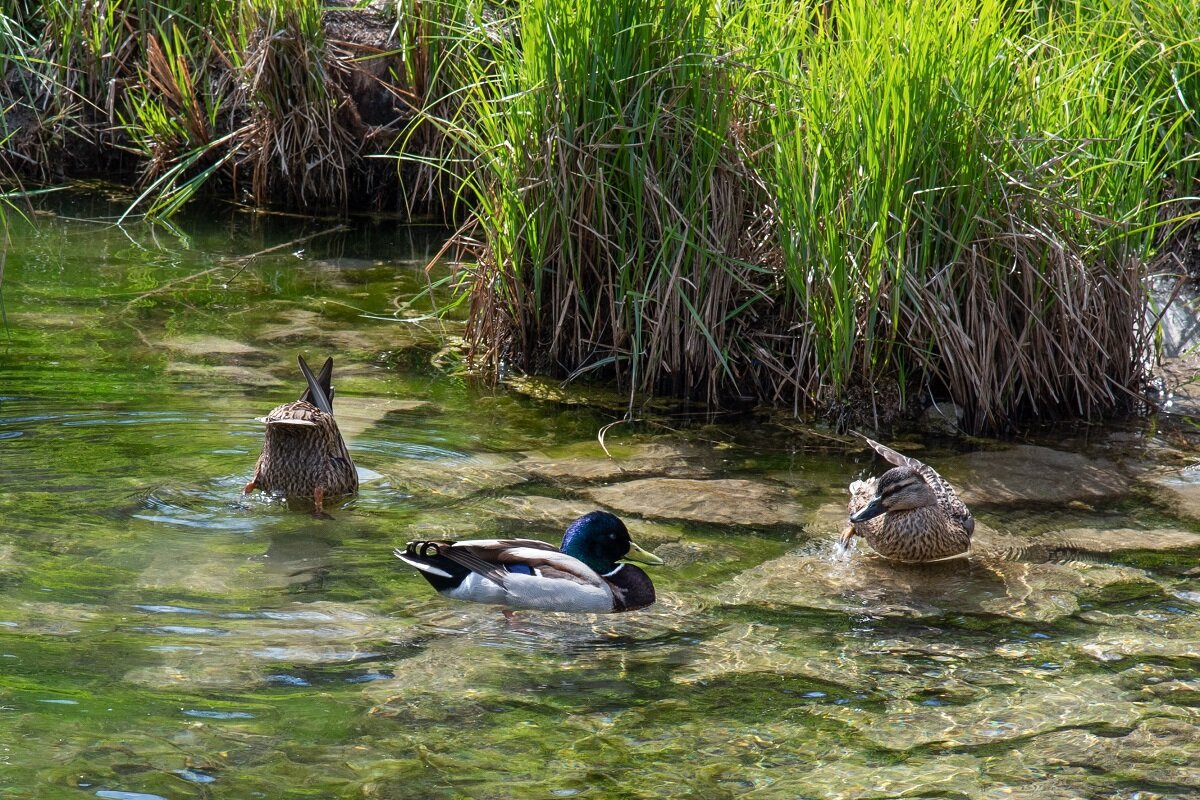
(303, 452)
(582, 576)
(910, 513)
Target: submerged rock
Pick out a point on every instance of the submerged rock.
(48, 319)
(1180, 491)
(716, 502)
(561, 513)
(957, 776)
(52, 618)
(758, 647)
(866, 584)
(544, 510)
(999, 717)
(302, 327)
(202, 649)
(453, 477)
(1140, 644)
(586, 462)
(200, 345)
(293, 325)
(230, 373)
(812, 578)
(8, 560)
(357, 414)
(193, 669)
(1031, 474)
(1117, 540)
(1158, 751)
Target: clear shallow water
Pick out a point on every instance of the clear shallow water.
(161, 635)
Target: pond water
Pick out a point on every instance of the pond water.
(163, 636)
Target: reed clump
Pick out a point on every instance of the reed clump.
(620, 230)
(261, 97)
(847, 206)
(842, 206)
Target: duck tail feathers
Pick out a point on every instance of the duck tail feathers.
(419, 562)
(319, 389)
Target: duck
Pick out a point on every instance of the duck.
(587, 574)
(909, 513)
(303, 452)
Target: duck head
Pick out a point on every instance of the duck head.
(600, 540)
(898, 489)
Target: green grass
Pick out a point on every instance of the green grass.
(612, 209)
(849, 206)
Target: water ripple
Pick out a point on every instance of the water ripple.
(184, 630)
(168, 609)
(213, 514)
(209, 714)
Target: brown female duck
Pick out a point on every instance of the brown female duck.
(303, 452)
(910, 513)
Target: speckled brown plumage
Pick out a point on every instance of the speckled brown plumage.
(910, 513)
(303, 452)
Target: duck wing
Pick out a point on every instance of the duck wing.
(488, 557)
(557, 564)
(545, 559)
(947, 498)
(894, 458)
(466, 557)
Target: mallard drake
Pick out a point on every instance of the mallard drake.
(582, 576)
(910, 513)
(303, 452)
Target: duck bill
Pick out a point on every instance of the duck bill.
(641, 556)
(870, 511)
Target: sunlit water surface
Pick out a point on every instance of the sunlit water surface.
(163, 636)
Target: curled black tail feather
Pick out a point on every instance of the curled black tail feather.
(441, 572)
(424, 549)
(449, 560)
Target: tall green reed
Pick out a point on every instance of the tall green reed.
(835, 204)
(610, 203)
(960, 192)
